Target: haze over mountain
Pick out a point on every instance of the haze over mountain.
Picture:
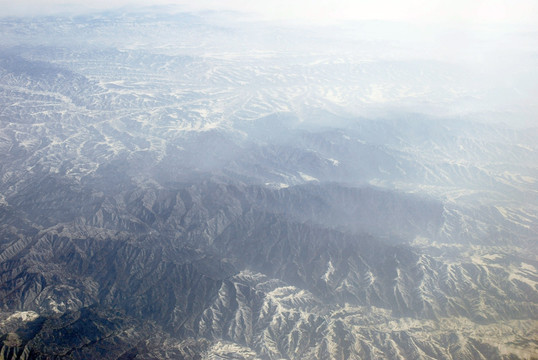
(186, 185)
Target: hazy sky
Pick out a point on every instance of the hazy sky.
(460, 11)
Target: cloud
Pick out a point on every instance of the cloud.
(460, 11)
(455, 11)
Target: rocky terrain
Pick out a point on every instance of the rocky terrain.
(185, 190)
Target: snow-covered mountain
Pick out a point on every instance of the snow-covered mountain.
(186, 186)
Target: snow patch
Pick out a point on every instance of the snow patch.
(524, 274)
(492, 257)
(3, 201)
(276, 185)
(334, 162)
(329, 272)
(23, 315)
(226, 350)
(307, 177)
